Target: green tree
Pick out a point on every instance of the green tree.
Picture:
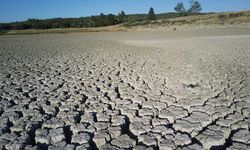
(92, 21)
(110, 19)
(180, 8)
(122, 17)
(151, 14)
(102, 20)
(195, 7)
(5, 26)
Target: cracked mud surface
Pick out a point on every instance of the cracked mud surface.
(139, 91)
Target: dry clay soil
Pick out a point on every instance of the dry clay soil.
(129, 90)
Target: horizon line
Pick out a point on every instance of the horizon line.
(112, 14)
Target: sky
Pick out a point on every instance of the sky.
(20, 10)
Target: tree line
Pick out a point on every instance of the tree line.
(96, 21)
(92, 21)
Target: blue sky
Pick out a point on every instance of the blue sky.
(18, 10)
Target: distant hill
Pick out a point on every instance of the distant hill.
(224, 18)
(131, 22)
(82, 22)
(241, 17)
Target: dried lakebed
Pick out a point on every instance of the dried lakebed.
(185, 90)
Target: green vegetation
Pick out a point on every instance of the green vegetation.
(195, 7)
(85, 22)
(122, 17)
(180, 7)
(165, 19)
(101, 20)
(151, 14)
(93, 21)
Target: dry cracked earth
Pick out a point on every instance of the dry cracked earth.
(185, 90)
